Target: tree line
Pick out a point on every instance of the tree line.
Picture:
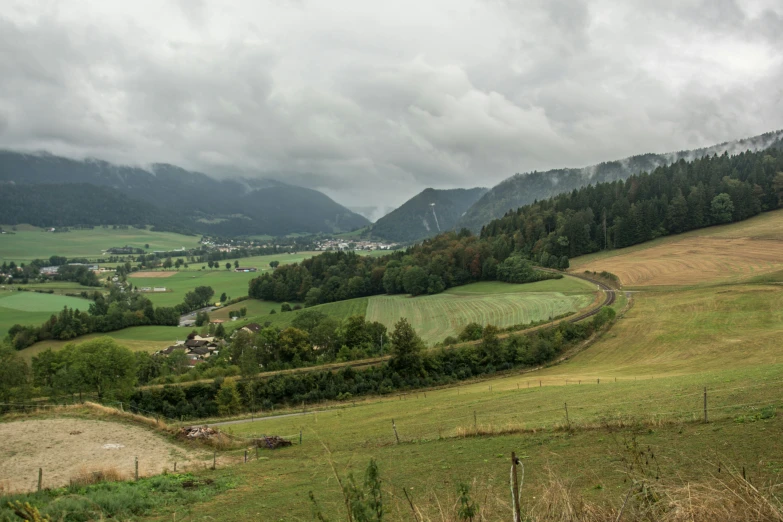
(448, 260)
(106, 313)
(409, 367)
(683, 196)
(669, 200)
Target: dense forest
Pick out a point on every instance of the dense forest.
(186, 199)
(673, 199)
(524, 189)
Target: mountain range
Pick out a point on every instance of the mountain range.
(426, 214)
(163, 195)
(47, 190)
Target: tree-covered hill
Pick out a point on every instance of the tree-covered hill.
(427, 214)
(669, 200)
(61, 205)
(523, 189)
(208, 205)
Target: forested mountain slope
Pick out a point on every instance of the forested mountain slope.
(206, 204)
(427, 214)
(669, 200)
(523, 189)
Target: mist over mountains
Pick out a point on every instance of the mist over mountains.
(166, 196)
(522, 189)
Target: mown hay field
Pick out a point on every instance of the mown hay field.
(438, 316)
(722, 254)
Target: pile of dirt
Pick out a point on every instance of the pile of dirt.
(272, 442)
(198, 432)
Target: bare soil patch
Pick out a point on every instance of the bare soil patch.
(694, 260)
(152, 275)
(66, 448)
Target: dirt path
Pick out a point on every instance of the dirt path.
(65, 448)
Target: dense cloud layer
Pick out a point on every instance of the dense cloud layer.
(371, 102)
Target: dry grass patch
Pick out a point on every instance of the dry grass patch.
(68, 448)
(153, 275)
(693, 261)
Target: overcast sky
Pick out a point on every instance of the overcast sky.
(373, 101)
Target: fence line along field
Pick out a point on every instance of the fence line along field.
(28, 243)
(438, 316)
(725, 253)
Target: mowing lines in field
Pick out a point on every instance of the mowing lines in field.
(435, 317)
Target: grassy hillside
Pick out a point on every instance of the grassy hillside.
(437, 316)
(33, 308)
(28, 243)
(137, 338)
(727, 253)
(641, 384)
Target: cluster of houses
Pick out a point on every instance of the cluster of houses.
(52, 270)
(341, 244)
(197, 349)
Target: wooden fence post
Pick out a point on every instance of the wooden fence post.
(175, 467)
(300, 437)
(475, 428)
(40, 478)
(706, 419)
(136, 465)
(515, 488)
(214, 460)
(394, 427)
(565, 405)
(245, 456)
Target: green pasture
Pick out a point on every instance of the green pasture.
(234, 284)
(136, 338)
(30, 308)
(28, 243)
(434, 455)
(61, 287)
(340, 310)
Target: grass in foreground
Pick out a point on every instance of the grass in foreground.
(118, 500)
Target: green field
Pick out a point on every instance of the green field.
(33, 308)
(29, 243)
(340, 310)
(438, 316)
(137, 338)
(234, 284)
(642, 381)
(435, 317)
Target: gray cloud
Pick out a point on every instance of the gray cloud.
(372, 103)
